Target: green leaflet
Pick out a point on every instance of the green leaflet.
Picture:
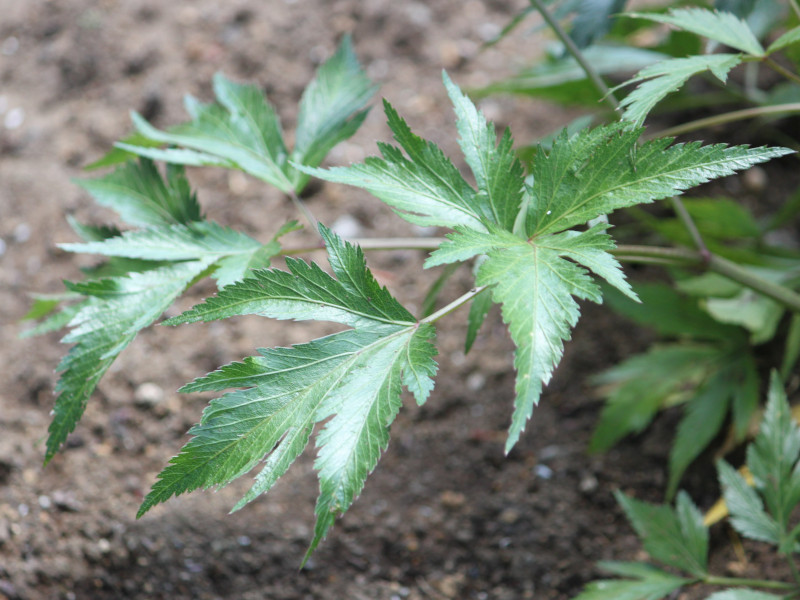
(351, 380)
(787, 39)
(595, 173)
(743, 594)
(104, 325)
(330, 110)
(748, 516)
(424, 188)
(308, 292)
(645, 583)
(141, 197)
(535, 283)
(676, 537)
(637, 388)
(561, 79)
(663, 78)
(234, 253)
(497, 170)
(722, 27)
(242, 131)
(773, 455)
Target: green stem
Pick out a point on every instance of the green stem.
(301, 206)
(446, 310)
(593, 76)
(775, 66)
(626, 253)
(795, 7)
(737, 115)
(760, 583)
(375, 244)
(715, 263)
(689, 223)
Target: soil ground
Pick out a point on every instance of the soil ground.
(445, 515)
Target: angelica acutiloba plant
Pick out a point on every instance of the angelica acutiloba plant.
(541, 241)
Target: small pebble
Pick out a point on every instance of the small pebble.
(509, 516)
(148, 394)
(22, 233)
(45, 502)
(588, 484)
(476, 381)
(755, 179)
(543, 471)
(450, 499)
(14, 118)
(23, 510)
(10, 46)
(347, 226)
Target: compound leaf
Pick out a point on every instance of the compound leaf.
(536, 286)
(242, 131)
(663, 78)
(106, 323)
(676, 538)
(137, 192)
(352, 380)
(723, 27)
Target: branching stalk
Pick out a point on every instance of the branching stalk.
(776, 66)
(715, 263)
(301, 206)
(593, 76)
(446, 310)
(626, 253)
(737, 115)
(759, 583)
(688, 222)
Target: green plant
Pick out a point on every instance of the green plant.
(538, 242)
(678, 539)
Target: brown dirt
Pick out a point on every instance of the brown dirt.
(445, 515)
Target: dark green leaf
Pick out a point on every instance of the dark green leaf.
(350, 380)
(115, 312)
(141, 197)
(331, 108)
(643, 384)
(704, 416)
(676, 538)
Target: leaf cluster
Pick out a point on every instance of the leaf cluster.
(678, 539)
